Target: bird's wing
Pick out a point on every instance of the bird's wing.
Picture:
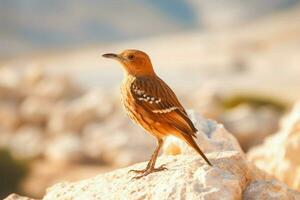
(157, 98)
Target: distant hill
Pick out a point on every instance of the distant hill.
(35, 25)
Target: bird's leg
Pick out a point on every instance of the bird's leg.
(152, 160)
(151, 164)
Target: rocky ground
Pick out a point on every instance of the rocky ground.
(71, 127)
(279, 154)
(50, 121)
(188, 177)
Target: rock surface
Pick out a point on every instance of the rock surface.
(269, 190)
(187, 177)
(279, 155)
(44, 174)
(251, 125)
(17, 197)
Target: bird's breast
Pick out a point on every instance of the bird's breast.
(125, 90)
(127, 99)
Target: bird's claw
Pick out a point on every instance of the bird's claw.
(160, 168)
(147, 171)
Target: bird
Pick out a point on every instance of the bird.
(152, 104)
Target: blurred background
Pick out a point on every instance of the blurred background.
(233, 61)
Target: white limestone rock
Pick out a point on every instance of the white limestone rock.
(279, 155)
(211, 137)
(35, 110)
(65, 148)
(17, 197)
(271, 189)
(27, 142)
(187, 177)
(74, 115)
(251, 125)
(119, 143)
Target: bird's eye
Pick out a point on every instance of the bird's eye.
(131, 57)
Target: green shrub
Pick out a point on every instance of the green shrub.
(11, 173)
(255, 101)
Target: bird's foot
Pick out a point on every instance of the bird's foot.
(138, 171)
(147, 171)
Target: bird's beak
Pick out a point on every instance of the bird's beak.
(111, 55)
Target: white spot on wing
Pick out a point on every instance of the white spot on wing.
(167, 110)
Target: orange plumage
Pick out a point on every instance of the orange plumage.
(151, 103)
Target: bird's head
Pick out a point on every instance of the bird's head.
(135, 62)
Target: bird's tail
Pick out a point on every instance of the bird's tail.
(190, 140)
